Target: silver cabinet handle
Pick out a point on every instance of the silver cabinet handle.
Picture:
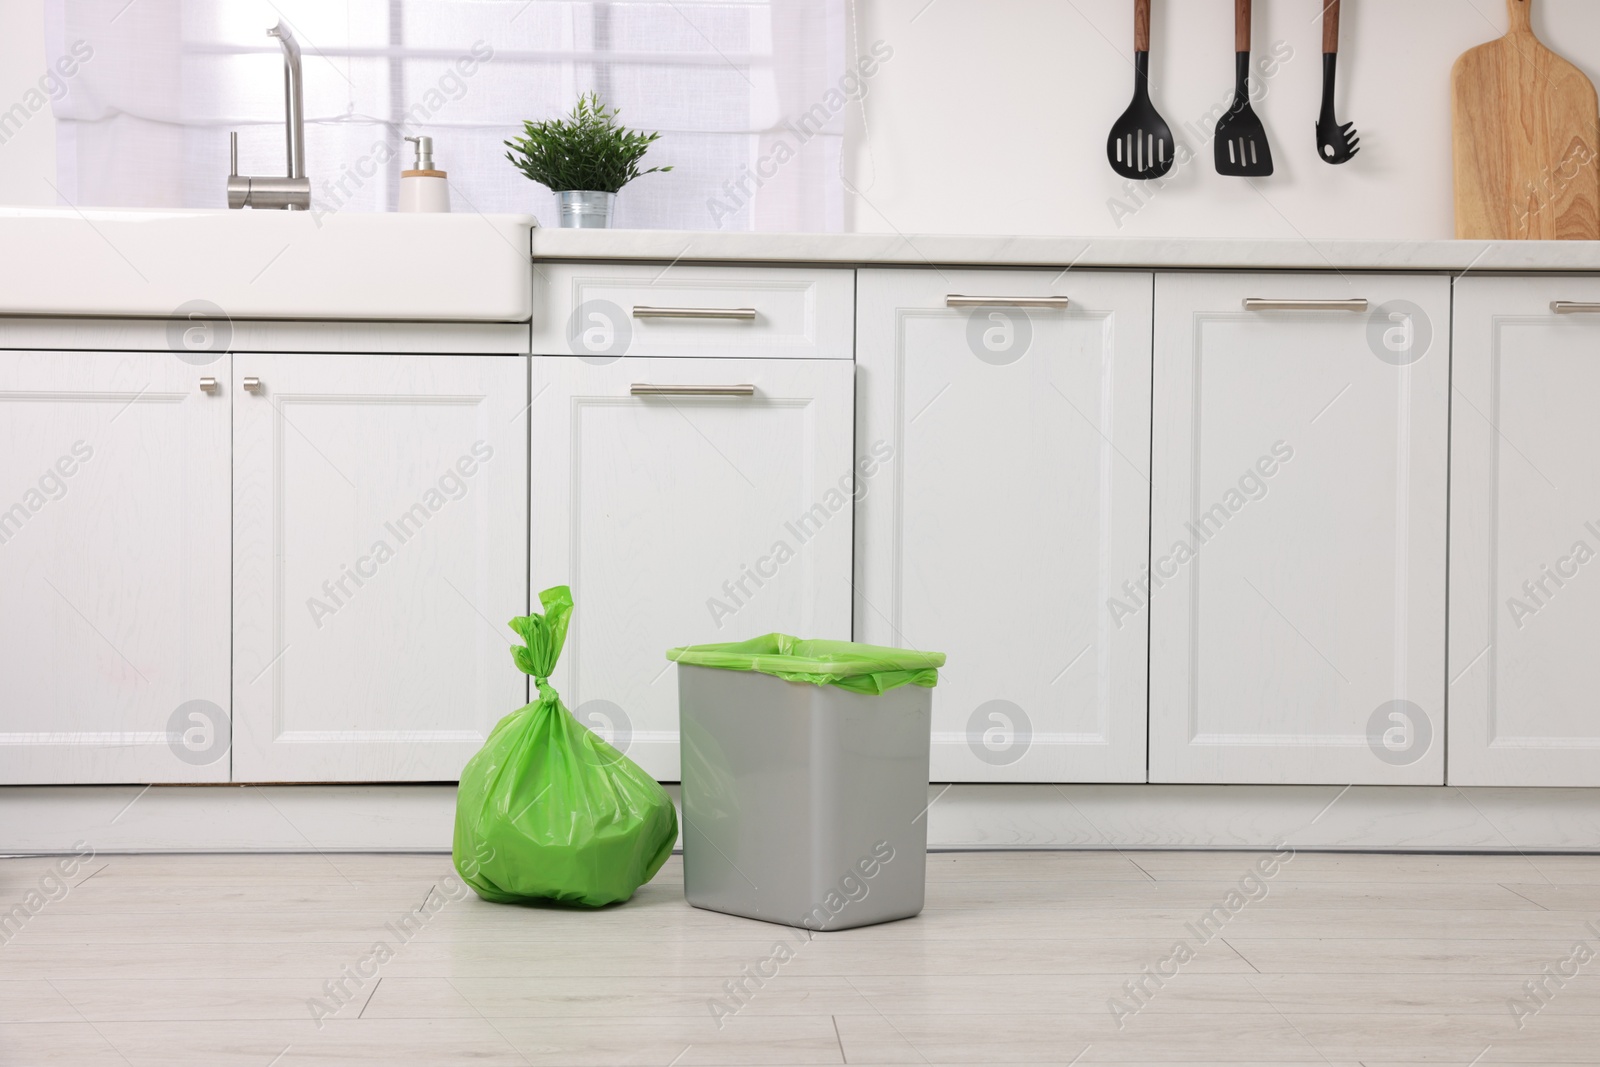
(646, 389)
(208, 385)
(252, 385)
(640, 311)
(956, 300)
(1256, 303)
(1573, 307)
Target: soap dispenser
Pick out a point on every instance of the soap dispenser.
(422, 188)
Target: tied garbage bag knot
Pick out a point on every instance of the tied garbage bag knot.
(547, 810)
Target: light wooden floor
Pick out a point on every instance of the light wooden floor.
(1347, 959)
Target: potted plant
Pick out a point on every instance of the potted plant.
(584, 158)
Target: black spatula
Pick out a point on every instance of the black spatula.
(1241, 142)
(1140, 145)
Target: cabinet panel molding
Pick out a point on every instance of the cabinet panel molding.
(380, 510)
(685, 519)
(1012, 504)
(1297, 590)
(1525, 531)
(113, 569)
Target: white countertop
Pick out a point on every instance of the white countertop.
(466, 267)
(461, 267)
(958, 250)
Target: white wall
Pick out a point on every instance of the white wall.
(28, 157)
(992, 115)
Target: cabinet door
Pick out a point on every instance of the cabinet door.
(113, 568)
(1525, 534)
(685, 519)
(1297, 621)
(380, 546)
(1010, 503)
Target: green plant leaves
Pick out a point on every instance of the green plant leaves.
(586, 150)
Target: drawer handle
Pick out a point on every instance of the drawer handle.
(1573, 307)
(646, 389)
(956, 300)
(640, 311)
(208, 384)
(1255, 303)
(252, 385)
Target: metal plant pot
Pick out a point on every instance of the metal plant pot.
(586, 210)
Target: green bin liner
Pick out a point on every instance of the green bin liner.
(859, 668)
(547, 810)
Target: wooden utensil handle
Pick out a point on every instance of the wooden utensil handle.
(1141, 25)
(1330, 27)
(1241, 25)
(1519, 14)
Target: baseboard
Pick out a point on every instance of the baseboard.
(1333, 818)
(419, 818)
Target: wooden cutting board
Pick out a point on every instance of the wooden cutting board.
(1526, 135)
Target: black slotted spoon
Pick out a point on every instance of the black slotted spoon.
(1241, 142)
(1140, 145)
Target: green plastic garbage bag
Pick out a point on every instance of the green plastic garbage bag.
(858, 668)
(547, 810)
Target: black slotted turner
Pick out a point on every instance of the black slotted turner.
(1140, 145)
(1241, 141)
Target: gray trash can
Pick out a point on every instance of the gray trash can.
(804, 800)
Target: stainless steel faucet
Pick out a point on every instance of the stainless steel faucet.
(292, 192)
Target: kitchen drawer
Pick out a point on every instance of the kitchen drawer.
(605, 311)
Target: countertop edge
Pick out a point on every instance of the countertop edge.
(1150, 253)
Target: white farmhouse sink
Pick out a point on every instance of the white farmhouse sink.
(266, 264)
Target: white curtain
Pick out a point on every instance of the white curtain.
(744, 92)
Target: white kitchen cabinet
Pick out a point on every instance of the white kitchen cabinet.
(1525, 533)
(380, 546)
(684, 519)
(1297, 627)
(113, 568)
(1007, 505)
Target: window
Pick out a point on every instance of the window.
(144, 122)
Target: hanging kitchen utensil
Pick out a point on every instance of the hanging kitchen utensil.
(1335, 143)
(1525, 134)
(1140, 145)
(1241, 142)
